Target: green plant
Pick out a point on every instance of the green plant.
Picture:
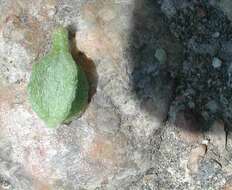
(58, 88)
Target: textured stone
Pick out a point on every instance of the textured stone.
(196, 154)
(122, 141)
(226, 6)
(106, 44)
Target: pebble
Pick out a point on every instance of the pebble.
(216, 62)
(216, 35)
(161, 55)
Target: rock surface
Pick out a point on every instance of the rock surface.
(126, 139)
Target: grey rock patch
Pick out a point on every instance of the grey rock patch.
(216, 62)
(226, 6)
(161, 55)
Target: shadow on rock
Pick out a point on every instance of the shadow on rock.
(87, 65)
(175, 61)
(156, 56)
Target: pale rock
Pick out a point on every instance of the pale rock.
(14, 62)
(217, 137)
(196, 154)
(216, 62)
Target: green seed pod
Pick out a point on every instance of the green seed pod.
(58, 88)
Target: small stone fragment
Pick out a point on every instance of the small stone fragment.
(216, 62)
(161, 55)
(216, 34)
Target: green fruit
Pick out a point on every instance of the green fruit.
(58, 88)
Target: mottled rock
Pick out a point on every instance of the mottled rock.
(210, 170)
(122, 141)
(14, 62)
(226, 6)
(100, 38)
(27, 23)
(228, 185)
(170, 7)
(196, 154)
